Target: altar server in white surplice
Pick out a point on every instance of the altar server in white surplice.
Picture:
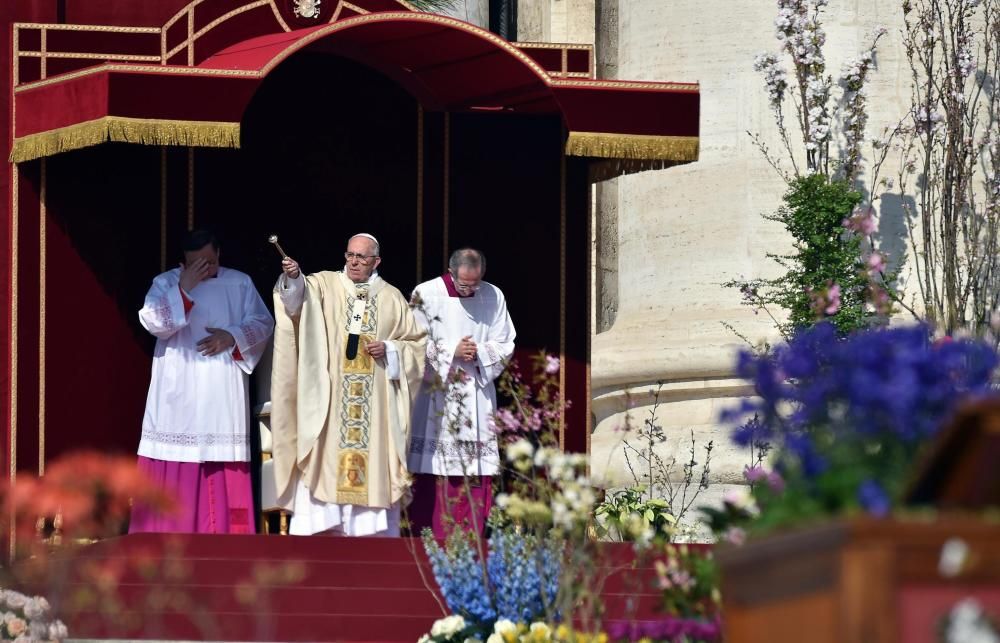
(211, 328)
(470, 340)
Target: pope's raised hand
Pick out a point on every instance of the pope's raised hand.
(290, 268)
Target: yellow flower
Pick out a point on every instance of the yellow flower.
(540, 632)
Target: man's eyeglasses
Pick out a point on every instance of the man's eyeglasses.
(465, 287)
(359, 257)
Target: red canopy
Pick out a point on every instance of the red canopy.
(447, 64)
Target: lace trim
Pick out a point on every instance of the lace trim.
(164, 312)
(464, 450)
(250, 333)
(195, 439)
(492, 352)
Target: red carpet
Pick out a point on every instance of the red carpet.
(273, 588)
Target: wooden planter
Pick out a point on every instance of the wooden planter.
(857, 581)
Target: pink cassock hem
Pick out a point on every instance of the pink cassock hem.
(213, 498)
(441, 503)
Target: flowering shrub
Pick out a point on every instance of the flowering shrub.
(536, 407)
(968, 623)
(28, 619)
(83, 495)
(836, 271)
(825, 278)
(848, 417)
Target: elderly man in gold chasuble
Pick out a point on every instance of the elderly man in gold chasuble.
(348, 359)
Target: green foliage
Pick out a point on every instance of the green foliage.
(627, 516)
(825, 255)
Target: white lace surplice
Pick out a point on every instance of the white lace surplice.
(436, 447)
(197, 409)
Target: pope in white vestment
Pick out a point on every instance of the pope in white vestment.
(348, 357)
(470, 340)
(211, 328)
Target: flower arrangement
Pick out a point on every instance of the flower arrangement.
(847, 417)
(27, 618)
(534, 566)
(520, 583)
(452, 628)
(83, 495)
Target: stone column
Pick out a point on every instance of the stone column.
(568, 21)
(605, 224)
(681, 232)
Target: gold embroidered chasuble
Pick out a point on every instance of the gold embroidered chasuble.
(341, 425)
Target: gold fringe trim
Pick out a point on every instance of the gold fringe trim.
(143, 131)
(633, 146)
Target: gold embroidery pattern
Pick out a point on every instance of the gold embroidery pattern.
(358, 378)
(355, 414)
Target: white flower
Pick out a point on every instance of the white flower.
(967, 624)
(495, 638)
(424, 639)
(57, 631)
(33, 609)
(502, 500)
(561, 515)
(14, 599)
(448, 626)
(504, 627)
(520, 449)
(38, 630)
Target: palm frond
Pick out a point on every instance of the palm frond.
(433, 5)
